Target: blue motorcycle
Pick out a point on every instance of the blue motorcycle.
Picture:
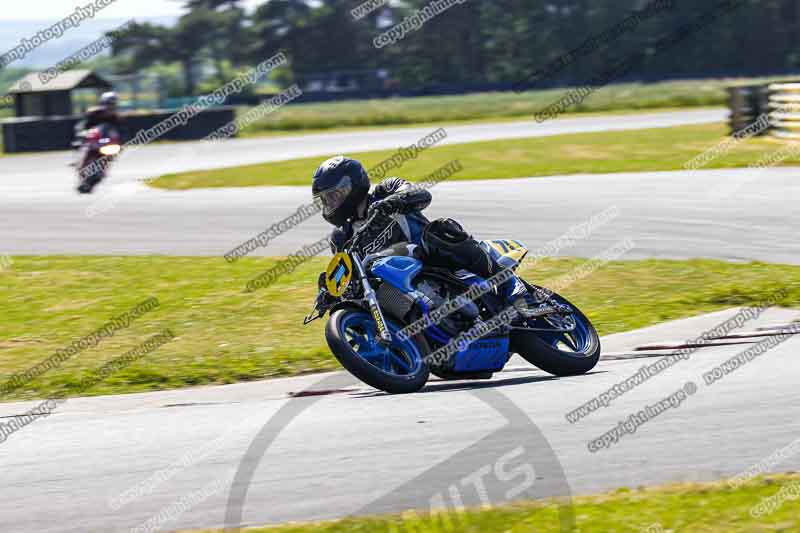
(395, 320)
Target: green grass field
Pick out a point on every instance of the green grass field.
(249, 133)
(606, 152)
(421, 110)
(226, 335)
(694, 507)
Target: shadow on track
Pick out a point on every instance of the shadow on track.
(448, 386)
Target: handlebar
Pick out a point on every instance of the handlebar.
(355, 239)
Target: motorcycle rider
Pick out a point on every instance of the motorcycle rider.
(342, 186)
(103, 113)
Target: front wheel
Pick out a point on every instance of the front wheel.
(397, 369)
(569, 345)
(87, 184)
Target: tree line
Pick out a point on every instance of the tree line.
(471, 43)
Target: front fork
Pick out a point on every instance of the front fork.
(372, 301)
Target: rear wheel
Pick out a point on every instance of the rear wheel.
(398, 368)
(571, 346)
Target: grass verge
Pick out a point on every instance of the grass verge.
(225, 335)
(248, 133)
(647, 150)
(700, 507)
(495, 105)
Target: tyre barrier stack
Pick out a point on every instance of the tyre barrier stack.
(784, 110)
(746, 103)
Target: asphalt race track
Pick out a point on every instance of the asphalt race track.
(357, 450)
(34, 174)
(346, 449)
(672, 214)
(733, 215)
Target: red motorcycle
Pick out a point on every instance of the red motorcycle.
(97, 147)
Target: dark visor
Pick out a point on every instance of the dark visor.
(334, 197)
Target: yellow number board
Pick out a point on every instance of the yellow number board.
(339, 273)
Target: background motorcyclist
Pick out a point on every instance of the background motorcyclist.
(342, 186)
(103, 113)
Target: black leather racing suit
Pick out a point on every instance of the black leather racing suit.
(96, 116)
(404, 227)
(402, 232)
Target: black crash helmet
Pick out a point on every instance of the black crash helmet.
(341, 184)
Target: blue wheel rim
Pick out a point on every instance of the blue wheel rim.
(400, 358)
(578, 342)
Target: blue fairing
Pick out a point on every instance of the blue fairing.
(484, 355)
(489, 354)
(398, 271)
(433, 331)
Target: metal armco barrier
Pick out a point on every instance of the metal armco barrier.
(784, 107)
